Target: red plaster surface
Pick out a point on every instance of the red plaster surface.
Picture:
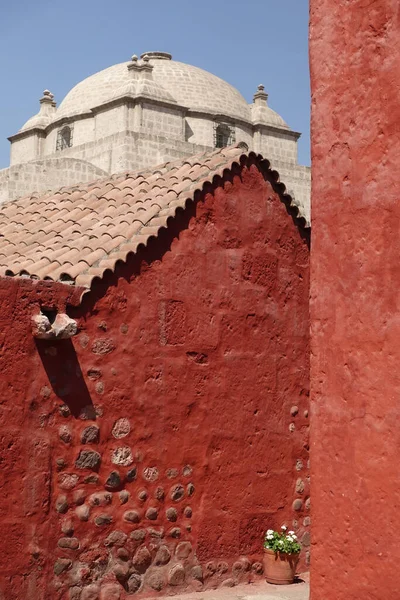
(355, 278)
(201, 343)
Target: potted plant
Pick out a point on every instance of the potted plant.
(281, 556)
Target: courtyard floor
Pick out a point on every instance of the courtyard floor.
(255, 591)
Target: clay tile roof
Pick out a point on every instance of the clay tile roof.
(75, 234)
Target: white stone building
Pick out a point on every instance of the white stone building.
(139, 114)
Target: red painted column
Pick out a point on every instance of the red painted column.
(355, 299)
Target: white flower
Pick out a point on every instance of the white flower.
(284, 527)
(294, 536)
(270, 537)
(289, 538)
(270, 532)
(280, 542)
(291, 532)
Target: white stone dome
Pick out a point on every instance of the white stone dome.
(190, 86)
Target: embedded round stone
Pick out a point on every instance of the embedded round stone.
(91, 592)
(190, 489)
(159, 494)
(116, 538)
(306, 539)
(122, 456)
(79, 497)
(64, 410)
(121, 571)
(172, 473)
(123, 554)
(183, 550)
(110, 591)
(61, 565)
(121, 428)
(177, 493)
(299, 486)
(188, 512)
(61, 464)
(257, 568)
(61, 504)
(88, 459)
(103, 346)
(176, 575)
(138, 535)
(222, 567)
(308, 504)
(67, 481)
(150, 473)
(171, 514)
(155, 534)
(65, 434)
(100, 499)
(211, 567)
(124, 496)
(187, 471)
(67, 527)
(83, 512)
(294, 411)
(102, 520)
(142, 495)
(175, 532)
(71, 543)
(228, 583)
(92, 479)
(134, 583)
(156, 580)
(297, 504)
(131, 475)
(90, 435)
(132, 516)
(307, 521)
(94, 374)
(141, 560)
(99, 387)
(197, 573)
(113, 481)
(151, 514)
(163, 556)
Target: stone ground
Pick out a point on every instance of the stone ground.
(259, 590)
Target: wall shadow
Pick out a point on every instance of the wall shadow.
(62, 367)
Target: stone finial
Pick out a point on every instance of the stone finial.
(47, 97)
(141, 68)
(261, 96)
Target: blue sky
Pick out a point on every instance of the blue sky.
(55, 44)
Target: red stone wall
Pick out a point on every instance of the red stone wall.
(355, 279)
(155, 448)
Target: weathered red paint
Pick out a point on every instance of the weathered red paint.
(355, 279)
(201, 342)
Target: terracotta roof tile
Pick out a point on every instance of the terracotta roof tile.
(75, 234)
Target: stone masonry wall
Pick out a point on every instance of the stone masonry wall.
(125, 151)
(43, 175)
(150, 453)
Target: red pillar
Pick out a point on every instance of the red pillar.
(355, 299)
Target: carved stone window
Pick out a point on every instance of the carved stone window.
(224, 135)
(64, 138)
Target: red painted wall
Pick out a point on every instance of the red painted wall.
(188, 384)
(355, 278)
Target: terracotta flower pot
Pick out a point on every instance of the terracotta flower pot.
(280, 568)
